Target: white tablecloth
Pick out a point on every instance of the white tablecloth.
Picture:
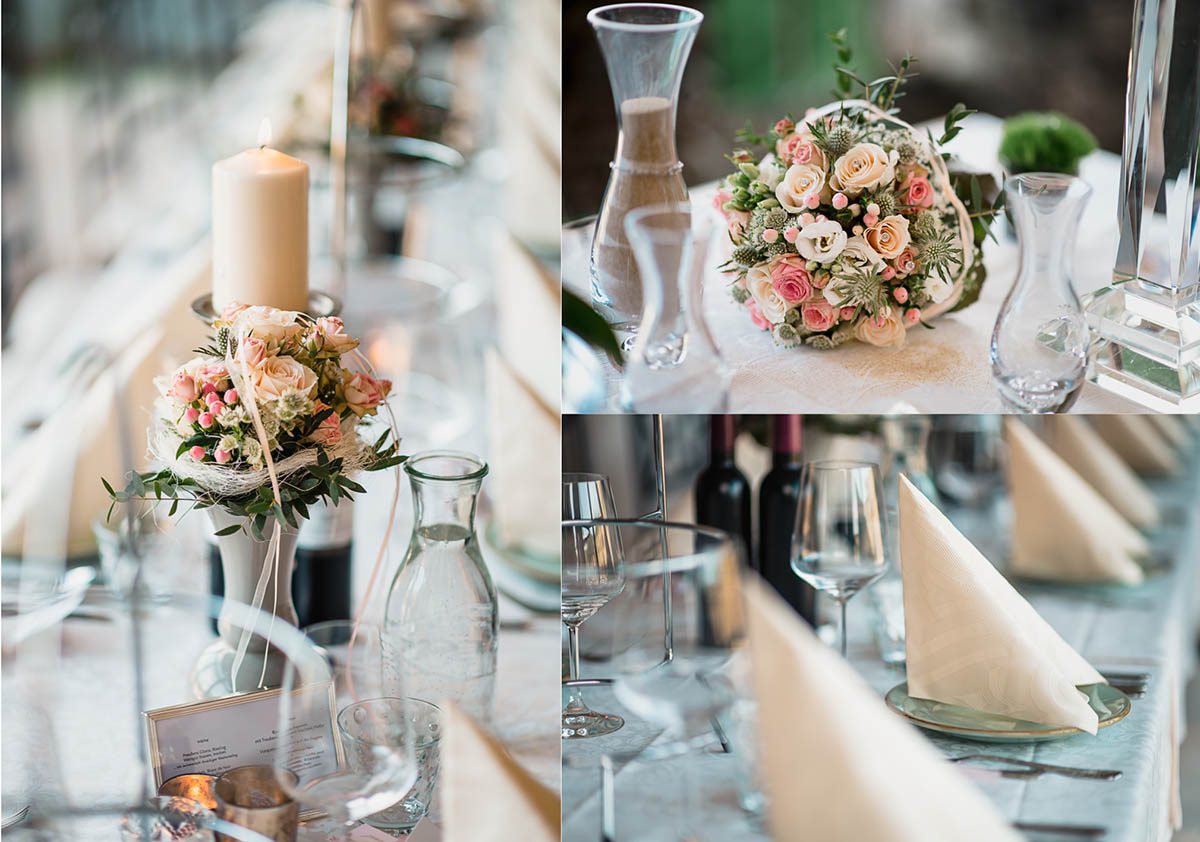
(941, 370)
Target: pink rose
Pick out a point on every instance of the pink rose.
(216, 375)
(719, 201)
(364, 393)
(330, 430)
(329, 334)
(817, 314)
(231, 310)
(784, 127)
(183, 388)
(906, 262)
(920, 193)
(757, 317)
(790, 279)
(252, 353)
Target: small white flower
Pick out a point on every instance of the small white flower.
(770, 171)
(821, 241)
(937, 288)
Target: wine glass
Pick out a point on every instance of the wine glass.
(680, 633)
(314, 702)
(592, 574)
(838, 546)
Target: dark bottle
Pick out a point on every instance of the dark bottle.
(216, 574)
(321, 578)
(777, 501)
(722, 491)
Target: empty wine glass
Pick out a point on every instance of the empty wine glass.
(363, 782)
(685, 680)
(592, 574)
(838, 546)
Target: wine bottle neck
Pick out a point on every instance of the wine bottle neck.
(722, 431)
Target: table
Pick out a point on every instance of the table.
(942, 370)
(84, 731)
(1150, 628)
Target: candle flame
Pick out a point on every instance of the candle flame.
(264, 132)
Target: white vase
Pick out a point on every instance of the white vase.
(243, 561)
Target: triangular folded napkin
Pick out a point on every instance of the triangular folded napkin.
(876, 779)
(488, 797)
(973, 641)
(1139, 443)
(1102, 468)
(1063, 529)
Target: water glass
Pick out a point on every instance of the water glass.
(167, 817)
(839, 544)
(374, 724)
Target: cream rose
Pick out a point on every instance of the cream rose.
(821, 241)
(881, 330)
(278, 374)
(937, 288)
(865, 167)
(889, 236)
(762, 290)
(799, 182)
(267, 323)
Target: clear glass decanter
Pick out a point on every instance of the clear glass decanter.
(674, 366)
(440, 623)
(1040, 342)
(645, 49)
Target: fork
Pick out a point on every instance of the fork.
(1035, 769)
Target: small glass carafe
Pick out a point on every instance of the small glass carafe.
(645, 49)
(674, 366)
(1040, 343)
(440, 623)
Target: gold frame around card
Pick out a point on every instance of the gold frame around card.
(152, 717)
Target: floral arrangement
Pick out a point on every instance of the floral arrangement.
(265, 421)
(850, 226)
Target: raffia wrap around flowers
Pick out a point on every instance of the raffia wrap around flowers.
(867, 207)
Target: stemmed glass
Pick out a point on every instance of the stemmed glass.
(315, 702)
(593, 572)
(838, 546)
(685, 681)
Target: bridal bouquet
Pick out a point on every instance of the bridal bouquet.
(850, 227)
(266, 421)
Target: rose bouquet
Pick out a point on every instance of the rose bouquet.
(266, 421)
(850, 226)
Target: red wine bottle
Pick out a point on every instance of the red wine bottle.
(321, 578)
(722, 491)
(778, 498)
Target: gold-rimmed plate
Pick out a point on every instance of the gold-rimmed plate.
(1110, 704)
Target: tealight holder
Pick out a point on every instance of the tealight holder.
(197, 787)
(320, 304)
(252, 797)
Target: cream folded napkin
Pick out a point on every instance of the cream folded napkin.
(488, 796)
(1063, 528)
(1138, 442)
(971, 639)
(876, 777)
(1102, 468)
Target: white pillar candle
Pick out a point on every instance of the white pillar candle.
(260, 228)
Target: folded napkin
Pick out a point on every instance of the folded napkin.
(836, 763)
(971, 639)
(1172, 428)
(1063, 529)
(488, 797)
(1139, 443)
(1102, 468)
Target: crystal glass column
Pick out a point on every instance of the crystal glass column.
(645, 49)
(1148, 319)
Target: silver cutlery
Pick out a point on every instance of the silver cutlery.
(1034, 769)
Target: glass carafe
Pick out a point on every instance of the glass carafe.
(645, 48)
(440, 623)
(1040, 342)
(674, 366)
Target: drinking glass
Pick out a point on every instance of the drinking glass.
(593, 572)
(839, 546)
(674, 365)
(363, 783)
(684, 578)
(1040, 342)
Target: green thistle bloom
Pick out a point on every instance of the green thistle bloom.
(820, 341)
(839, 140)
(908, 152)
(924, 227)
(746, 256)
(740, 294)
(942, 255)
(886, 201)
(792, 316)
(777, 218)
(786, 335)
(780, 246)
(223, 340)
(863, 287)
